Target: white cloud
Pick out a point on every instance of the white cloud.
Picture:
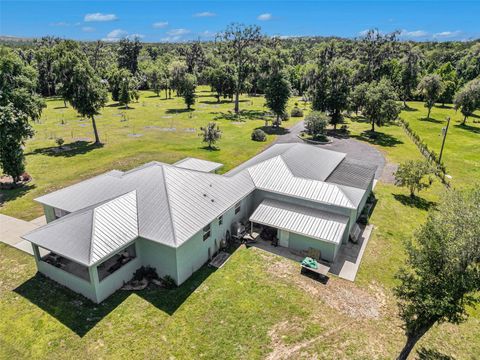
(99, 17)
(171, 39)
(446, 34)
(363, 32)
(413, 34)
(115, 35)
(135, 36)
(160, 24)
(265, 17)
(178, 32)
(208, 34)
(204, 14)
(60, 23)
(88, 29)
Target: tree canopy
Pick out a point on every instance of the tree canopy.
(441, 276)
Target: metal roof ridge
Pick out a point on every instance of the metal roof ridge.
(96, 208)
(169, 205)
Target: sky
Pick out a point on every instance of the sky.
(172, 21)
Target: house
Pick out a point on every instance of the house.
(174, 217)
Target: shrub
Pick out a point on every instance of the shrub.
(59, 141)
(145, 272)
(296, 112)
(285, 116)
(315, 124)
(168, 282)
(259, 135)
(344, 129)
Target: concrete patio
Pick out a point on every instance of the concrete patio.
(347, 262)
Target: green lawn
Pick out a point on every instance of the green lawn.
(152, 129)
(461, 154)
(256, 306)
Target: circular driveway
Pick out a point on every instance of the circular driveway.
(353, 148)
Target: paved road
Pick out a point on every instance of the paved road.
(353, 148)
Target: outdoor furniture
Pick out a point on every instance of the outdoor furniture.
(315, 269)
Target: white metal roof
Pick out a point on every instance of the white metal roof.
(173, 203)
(91, 234)
(115, 224)
(274, 175)
(198, 164)
(301, 220)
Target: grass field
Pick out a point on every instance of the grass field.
(152, 129)
(256, 306)
(461, 152)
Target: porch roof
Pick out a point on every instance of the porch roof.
(301, 220)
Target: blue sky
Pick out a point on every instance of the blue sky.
(185, 20)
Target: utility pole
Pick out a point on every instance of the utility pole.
(444, 133)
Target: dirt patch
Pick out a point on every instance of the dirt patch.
(293, 351)
(343, 296)
(388, 173)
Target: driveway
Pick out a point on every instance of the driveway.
(11, 230)
(353, 148)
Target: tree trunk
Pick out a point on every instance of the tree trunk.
(95, 131)
(237, 95)
(429, 110)
(64, 103)
(404, 104)
(373, 126)
(464, 120)
(412, 340)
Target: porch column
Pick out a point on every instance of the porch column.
(94, 281)
(36, 253)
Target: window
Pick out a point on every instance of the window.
(237, 208)
(220, 220)
(206, 232)
(59, 213)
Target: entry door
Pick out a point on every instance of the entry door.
(283, 238)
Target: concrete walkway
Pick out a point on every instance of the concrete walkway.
(11, 230)
(348, 259)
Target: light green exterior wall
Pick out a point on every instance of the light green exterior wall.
(195, 252)
(328, 251)
(161, 257)
(49, 214)
(64, 278)
(115, 281)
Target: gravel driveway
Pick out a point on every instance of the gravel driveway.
(353, 148)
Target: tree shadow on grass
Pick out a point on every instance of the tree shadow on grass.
(215, 102)
(15, 193)
(416, 202)
(81, 315)
(431, 354)
(68, 150)
(178, 111)
(272, 130)
(378, 138)
(243, 115)
(209, 148)
(115, 104)
(432, 120)
(473, 129)
(409, 109)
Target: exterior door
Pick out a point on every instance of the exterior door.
(283, 238)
